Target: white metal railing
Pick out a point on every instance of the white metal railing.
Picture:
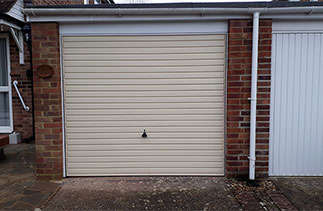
(15, 83)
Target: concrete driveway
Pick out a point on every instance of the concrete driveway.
(144, 193)
(19, 190)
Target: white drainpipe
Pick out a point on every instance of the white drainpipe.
(253, 99)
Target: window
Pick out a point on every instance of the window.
(5, 87)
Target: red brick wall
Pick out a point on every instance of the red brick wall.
(48, 110)
(22, 120)
(238, 92)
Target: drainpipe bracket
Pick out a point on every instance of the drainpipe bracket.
(252, 99)
(250, 158)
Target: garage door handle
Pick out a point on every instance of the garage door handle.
(144, 135)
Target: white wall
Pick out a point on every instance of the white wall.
(144, 28)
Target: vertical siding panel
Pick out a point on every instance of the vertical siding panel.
(277, 102)
(283, 102)
(296, 133)
(302, 101)
(314, 110)
(272, 103)
(319, 122)
(289, 106)
(296, 101)
(308, 110)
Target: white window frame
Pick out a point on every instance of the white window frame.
(8, 129)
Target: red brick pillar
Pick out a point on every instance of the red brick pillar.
(47, 94)
(238, 92)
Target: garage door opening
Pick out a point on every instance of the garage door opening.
(171, 86)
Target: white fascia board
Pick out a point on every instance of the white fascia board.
(144, 14)
(77, 19)
(298, 17)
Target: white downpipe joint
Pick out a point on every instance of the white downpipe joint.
(253, 99)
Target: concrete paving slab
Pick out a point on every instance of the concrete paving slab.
(144, 193)
(46, 186)
(305, 193)
(19, 189)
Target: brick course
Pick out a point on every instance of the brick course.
(238, 92)
(48, 110)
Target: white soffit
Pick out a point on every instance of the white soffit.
(214, 27)
(280, 26)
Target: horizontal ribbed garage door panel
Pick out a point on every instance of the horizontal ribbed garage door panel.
(117, 86)
(145, 105)
(143, 44)
(150, 147)
(166, 81)
(149, 57)
(147, 164)
(145, 38)
(146, 100)
(124, 129)
(143, 75)
(145, 124)
(151, 135)
(144, 159)
(144, 63)
(122, 51)
(127, 141)
(148, 153)
(143, 171)
(76, 94)
(142, 87)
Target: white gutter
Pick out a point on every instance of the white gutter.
(253, 99)
(168, 11)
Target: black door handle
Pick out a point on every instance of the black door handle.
(144, 135)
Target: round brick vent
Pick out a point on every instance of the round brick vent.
(44, 71)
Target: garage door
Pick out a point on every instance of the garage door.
(115, 87)
(296, 133)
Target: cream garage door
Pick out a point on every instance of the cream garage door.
(115, 87)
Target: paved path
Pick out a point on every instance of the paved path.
(19, 189)
(306, 193)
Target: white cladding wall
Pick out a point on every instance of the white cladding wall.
(16, 11)
(170, 85)
(296, 132)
